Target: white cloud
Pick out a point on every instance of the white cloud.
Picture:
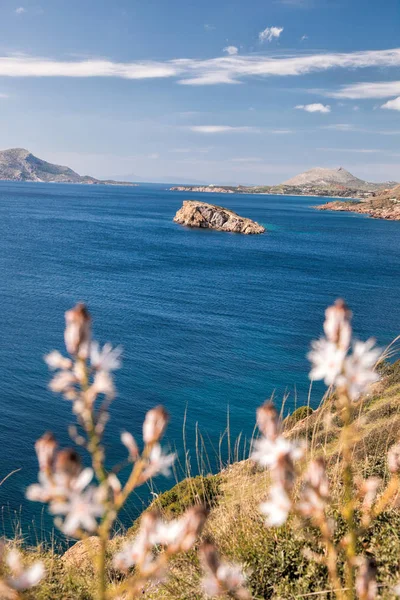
(303, 38)
(3, 96)
(231, 50)
(222, 129)
(358, 91)
(269, 34)
(226, 69)
(392, 104)
(209, 27)
(312, 108)
(20, 10)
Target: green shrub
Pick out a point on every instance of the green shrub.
(298, 415)
(186, 493)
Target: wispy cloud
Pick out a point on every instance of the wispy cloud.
(209, 27)
(352, 150)
(392, 104)
(341, 127)
(227, 69)
(3, 96)
(231, 50)
(247, 159)
(223, 129)
(269, 33)
(358, 91)
(314, 108)
(304, 38)
(20, 10)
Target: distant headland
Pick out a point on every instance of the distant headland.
(18, 164)
(315, 182)
(385, 205)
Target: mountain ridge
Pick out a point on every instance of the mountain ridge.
(19, 164)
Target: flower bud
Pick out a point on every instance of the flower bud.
(268, 420)
(394, 458)
(68, 462)
(366, 586)
(77, 330)
(337, 325)
(195, 519)
(129, 442)
(45, 448)
(154, 425)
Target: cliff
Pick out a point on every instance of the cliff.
(18, 164)
(209, 216)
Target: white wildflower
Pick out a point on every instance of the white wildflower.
(63, 382)
(327, 361)
(138, 551)
(277, 507)
(106, 358)
(80, 509)
(58, 485)
(268, 453)
(22, 579)
(221, 578)
(103, 384)
(358, 371)
(55, 360)
(227, 578)
(159, 463)
(394, 458)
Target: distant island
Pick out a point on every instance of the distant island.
(209, 216)
(315, 182)
(18, 164)
(383, 206)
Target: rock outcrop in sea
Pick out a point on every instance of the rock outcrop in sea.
(201, 214)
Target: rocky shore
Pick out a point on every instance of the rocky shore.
(209, 216)
(385, 206)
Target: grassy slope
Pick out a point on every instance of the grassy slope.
(273, 557)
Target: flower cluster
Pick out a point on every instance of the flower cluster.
(13, 576)
(341, 363)
(277, 453)
(221, 578)
(178, 535)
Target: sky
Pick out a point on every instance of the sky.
(226, 91)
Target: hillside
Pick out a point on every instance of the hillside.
(332, 177)
(275, 559)
(18, 164)
(385, 205)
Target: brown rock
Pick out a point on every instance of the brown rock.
(81, 554)
(201, 214)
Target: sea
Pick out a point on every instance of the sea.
(211, 323)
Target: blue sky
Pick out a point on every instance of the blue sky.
(226, 91)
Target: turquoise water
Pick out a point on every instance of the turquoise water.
(208, 320)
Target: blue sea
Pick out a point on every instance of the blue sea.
(211, 323)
